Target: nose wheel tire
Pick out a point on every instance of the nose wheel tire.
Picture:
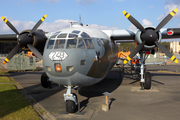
(70, 106)
(147, 84)
(45, 81)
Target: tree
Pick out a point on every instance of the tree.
(7, 47)
(166, 45)
(126, 47)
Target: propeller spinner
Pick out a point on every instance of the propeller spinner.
(150, 36)
(24, 39)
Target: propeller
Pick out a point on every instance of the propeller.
(149, 36)
(11, 54)
(134, 21)
(10, 25)
(166, 19)
(24, 39)
(173, 58)
(35, 51)
(134, 52)
(38, 24)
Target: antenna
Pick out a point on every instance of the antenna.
(71, 23)
(79, 18)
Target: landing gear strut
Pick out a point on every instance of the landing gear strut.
(70, 100)
(145, 81)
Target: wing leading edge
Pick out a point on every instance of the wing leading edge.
(8, 38)
(128, 35)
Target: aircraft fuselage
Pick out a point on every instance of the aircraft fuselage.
(78, 56)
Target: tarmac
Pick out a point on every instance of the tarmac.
(126, 100)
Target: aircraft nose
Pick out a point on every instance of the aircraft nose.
(61, 62)
(65, 62)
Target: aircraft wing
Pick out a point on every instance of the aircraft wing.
(121, 34)
(170, 33)
(128, 35)
(8, 38)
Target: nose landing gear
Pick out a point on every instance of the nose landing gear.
(70, 100)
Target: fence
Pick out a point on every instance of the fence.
(3, 55)
(21, 62)
(157, 58)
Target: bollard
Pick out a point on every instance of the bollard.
(105, 106)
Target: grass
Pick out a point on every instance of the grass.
(13, 105)
(4, 79)
(1, 67)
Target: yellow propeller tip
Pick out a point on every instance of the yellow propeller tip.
(128, 58)
(45, 15)
(4, 62)
(175, 10)
(2, 17)
(176, 61)
(124, 12)
(125, 61)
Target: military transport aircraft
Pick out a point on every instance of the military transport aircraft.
(81, 56)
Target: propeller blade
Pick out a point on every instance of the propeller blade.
(166, 52)
(11, 54)
(10, 25)
(35, 51)
(166, 20)
(38, 24)
(134, 21)
(134, 52)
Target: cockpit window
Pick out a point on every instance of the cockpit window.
(72, 35)
(50, 44)
(71, 43)
(76, 31)
(63, 35)
(59, 44)
(89, 43)
(55, 34)
(85, 35)
(81, 44)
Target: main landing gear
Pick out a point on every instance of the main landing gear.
(145, 77)
(45, 81)
(71, 101)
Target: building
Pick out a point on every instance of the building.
(175, 47)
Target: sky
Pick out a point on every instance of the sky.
(101, 14)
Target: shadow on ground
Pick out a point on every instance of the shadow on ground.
(109, 84)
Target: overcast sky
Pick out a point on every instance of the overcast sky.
(101, 14)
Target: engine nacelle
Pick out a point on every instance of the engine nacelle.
(149, 44)
(37, 39)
